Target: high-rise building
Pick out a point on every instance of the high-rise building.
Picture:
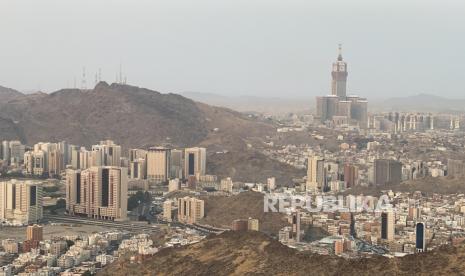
(455, 168)
(387, 226)
(44, 159)
(420, 237)
(359, 110)
(85, 158)
(41, 150)
(339, 76)
(34, 233)
(413, 213)
(402, 122)
(315, 173)
(158, 164)
(195, 162)
(296, 226)
(135, 154)
(98, 192)
(74, 192)
(190, 210)
(167, 210)
(350, 175)
(387, 172)
(28, 163)
(177, 164)
(138, 168)
(65, 149)
(39, 162)
(271, 183)
(106, 153)
(16, 152)
(327, 107)
(6, 152)
(55, 162)
(21, 201)
(338, 108)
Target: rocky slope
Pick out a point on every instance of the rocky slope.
(253, 253)
(131, 116)
(7, 94)
(222, 210)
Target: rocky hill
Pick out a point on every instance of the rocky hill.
(7, 94)
(251, 166)
(254, 253)
(131, 116)
(222, 210)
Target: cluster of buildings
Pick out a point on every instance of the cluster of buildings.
(399, 122)
(340, 109)
(327, 175)
(159, 164)
(185, 210)
(156, 164)
(97, 192)
(101, 191)
(78, 254)
(414, 147)
(382, 159)
(12, 153)
(96, 180)
(416, 223)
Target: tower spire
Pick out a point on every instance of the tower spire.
(339, 57)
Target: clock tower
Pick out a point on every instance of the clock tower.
(339, 76)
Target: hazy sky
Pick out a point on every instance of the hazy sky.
(244, 47)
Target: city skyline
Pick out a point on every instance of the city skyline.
(313, 137)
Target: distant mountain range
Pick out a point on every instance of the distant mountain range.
(276, 106)
(266, 105)
(420, 103)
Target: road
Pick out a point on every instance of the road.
(132, 227)
(129, 226)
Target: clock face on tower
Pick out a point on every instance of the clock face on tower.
(341, 67)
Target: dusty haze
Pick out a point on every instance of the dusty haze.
(236, 47)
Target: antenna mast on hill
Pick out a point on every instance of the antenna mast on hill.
(83, 81)
(120, 73)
